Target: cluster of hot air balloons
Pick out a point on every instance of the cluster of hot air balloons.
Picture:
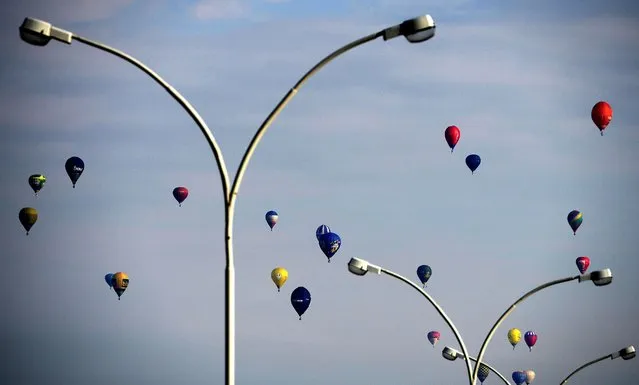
(514, 336)
(28, 216)
(521, 376)
(452, 134)
(118, 282)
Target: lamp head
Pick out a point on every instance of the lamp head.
(418, 29)
(628, 353)
(39, 33)
(359, 266)
(599, 277)
(450, 353)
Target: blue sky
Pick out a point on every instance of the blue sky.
(360, 149)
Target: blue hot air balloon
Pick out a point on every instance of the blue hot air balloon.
(74, 167)
(423, 273)
(108, 278)
(482, 373)
(301, 300)
(271, 218)
(330, 243)
(519, 377)
(323, 229)
(473, 161)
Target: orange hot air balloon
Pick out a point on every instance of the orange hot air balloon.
(601, 115)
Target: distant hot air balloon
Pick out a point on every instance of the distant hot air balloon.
(74, 167)
(482, 373)
(601, 115)
(433, 337)
(37, 181)
(530, 376)
(279, 275)
(519, 377)
(180, 194)
(271, 218)
(109, 280)
(321, 230)
(531, 339)
(514, 336)
(582, 263)
(473, 161)
(301, 300)
(28, 216)
(330, 243)
(423, 273)
(452, 135)
(574, 220)
(120, 282)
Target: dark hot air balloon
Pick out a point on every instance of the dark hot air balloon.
(180, 194)
(109, 280)
(301, 300)
(574, 220)
(531, 339)
(423, 273)
(271, 218)
(519, 377)
(330, 243)
(28, 216)
(582, 263)
(321, 230)
(37, 181)
(473, 161)
(74, 167)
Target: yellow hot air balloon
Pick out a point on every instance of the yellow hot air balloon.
(28, 216)
(120, 282)
(514, 336)
(279, 275)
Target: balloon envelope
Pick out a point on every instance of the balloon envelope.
(601, 115)
(74, 167)
(582, 263)
(301, 300)
(180, 194)
(330, 243)
(321, 230)
(452, 135)
(473, 161)
(433, 337)
(271, 218)
(28, 216)
(531, 339)
(514, 336)
(519, 377)
(482, 373)
(37, 181)
(120, 282)
(423, 273)
(574, 220)
(530, 376)
(279, 275)
(108, 278)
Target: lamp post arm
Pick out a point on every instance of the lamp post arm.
(512, 307)
(565, 381)
(217, 152)
(442, 314)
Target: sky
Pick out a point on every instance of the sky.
(361, 149)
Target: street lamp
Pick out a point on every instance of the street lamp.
(39, 33)
(360, 267)
(452, 354)
(625, 353)
(599, 278)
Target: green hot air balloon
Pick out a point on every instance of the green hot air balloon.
(37, 181)
(28, 217)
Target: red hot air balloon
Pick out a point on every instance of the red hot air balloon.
(601, 115)
(583, 263)
(452, 135)
(180, 194)
(531, 339)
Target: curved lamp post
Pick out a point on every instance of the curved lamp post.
(452, 354)
(599, 278)
(359, 266)
(40, 33)
(625, 353)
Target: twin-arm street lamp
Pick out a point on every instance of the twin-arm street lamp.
(625, 353)
(39, 33)
(452, 354)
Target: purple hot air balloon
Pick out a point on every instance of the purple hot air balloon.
(433, 337)
(531, 339)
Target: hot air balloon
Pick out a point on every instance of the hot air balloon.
(271, 218)
(601, 115)
(301, 300)
(74, 167)
(433, 337)
(423, 273)
(452, 135)
(473, 161)
(109, 280)
(37, 181)
(530, 376)
(321, 230)
(330, 243)
(574, 220)
(28, 216)
(279, 275)
(180, 194)
(482, 373)
(120, 282)
(514, 336)
(531, 339)
(519, 377)
(582, 263)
